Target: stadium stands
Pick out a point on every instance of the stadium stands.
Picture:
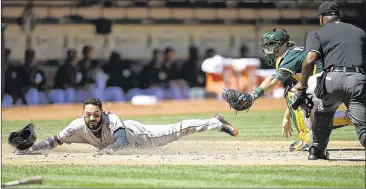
(139, 27)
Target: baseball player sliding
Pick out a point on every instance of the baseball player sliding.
(108, 133)
(278, 48)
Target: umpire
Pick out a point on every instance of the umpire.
(342, 46)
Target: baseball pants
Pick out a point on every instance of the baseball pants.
(302, 124)
(145, 136)
(347, 88)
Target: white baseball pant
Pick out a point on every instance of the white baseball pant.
(144, 136)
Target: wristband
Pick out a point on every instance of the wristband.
(258, 92)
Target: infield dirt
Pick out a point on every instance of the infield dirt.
(179, 152)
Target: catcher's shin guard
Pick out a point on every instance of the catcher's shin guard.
(302, 125)
(304, 131)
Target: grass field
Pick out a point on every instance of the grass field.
(253, 127)
(189, 176)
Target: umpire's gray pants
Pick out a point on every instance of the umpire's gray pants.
(347, 88)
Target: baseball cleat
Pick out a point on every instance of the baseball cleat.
(227, 127)
(299, 145)
(315, 154)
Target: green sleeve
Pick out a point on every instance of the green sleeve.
(282, 75)
(292, 61)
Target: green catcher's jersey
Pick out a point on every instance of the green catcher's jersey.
(289, 66)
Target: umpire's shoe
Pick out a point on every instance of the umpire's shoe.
(315, 154)
(227, 127)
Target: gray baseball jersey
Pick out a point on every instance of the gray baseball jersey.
(78, 132)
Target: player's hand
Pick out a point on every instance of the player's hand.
(299, 86)
(106, 151)
(286, 128)
(29, 151)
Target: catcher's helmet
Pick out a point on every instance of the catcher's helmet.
(271, 43)
(24, 138)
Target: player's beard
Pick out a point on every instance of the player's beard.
(93, 127)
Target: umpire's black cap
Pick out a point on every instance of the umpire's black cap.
(328, 8)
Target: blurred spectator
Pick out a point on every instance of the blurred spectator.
(4, 64)
(65, 79)
(243, 51)
(84, 80)
(111, 68)
(121, 76)
(84, 67)
(13, 85)
(153, 78)
(178, 87)
(11, 89)
(211, 52)
(171, 64)
(108, 3)
(33, 80)
(66, 73)
(97, 74)
(193, 74)
(7, 53)
(149, 73)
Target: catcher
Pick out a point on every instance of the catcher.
(108, 133)
(278, 48)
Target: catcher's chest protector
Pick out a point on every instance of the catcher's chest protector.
(24, 138)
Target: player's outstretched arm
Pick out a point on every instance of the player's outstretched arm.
(269, 84)
(67, 135)
(49, 143)
(240, 101)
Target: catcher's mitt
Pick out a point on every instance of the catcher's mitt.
(303, 100)
(237, 100)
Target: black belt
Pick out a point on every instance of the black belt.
(346, 69)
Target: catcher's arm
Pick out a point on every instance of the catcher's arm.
(269, 84)
(240, 101)
(286, 124)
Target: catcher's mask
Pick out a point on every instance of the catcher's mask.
(24, 138)
(274, 43)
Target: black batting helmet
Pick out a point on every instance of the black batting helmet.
(24, 138)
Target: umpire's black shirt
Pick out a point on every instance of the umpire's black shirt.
(340, 44)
